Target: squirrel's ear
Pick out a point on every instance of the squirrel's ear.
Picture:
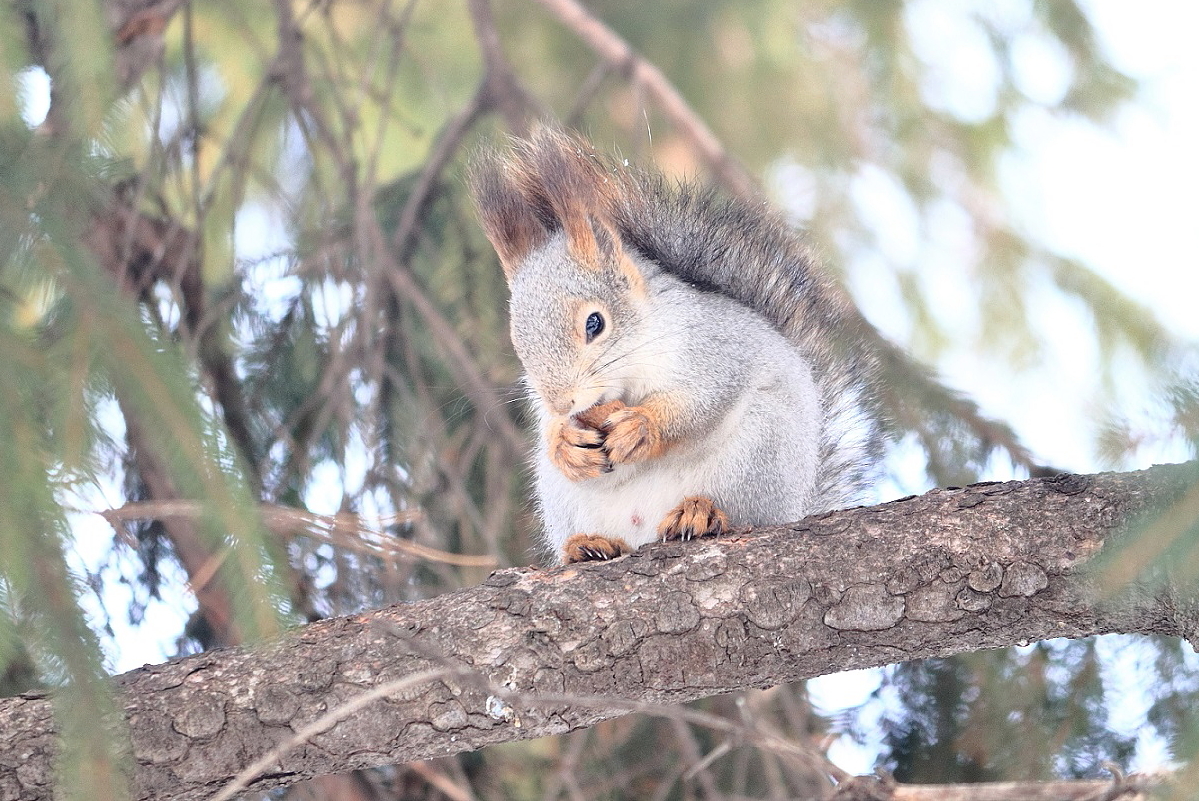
(564, 173)
(510, 220)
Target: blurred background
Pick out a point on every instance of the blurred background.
(256, 368)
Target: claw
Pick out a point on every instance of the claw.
(696, 516)
(593, 548)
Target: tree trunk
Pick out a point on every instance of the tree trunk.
(531, 652)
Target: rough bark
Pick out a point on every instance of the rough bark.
(530, 652)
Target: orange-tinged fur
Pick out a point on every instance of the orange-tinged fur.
(577, 451)
(554, 182)
(595, 417)
(555, 169)
(594, 548)
(509, 221)
(632, 276)
(630, 433)
(634, 434)
(696, 516)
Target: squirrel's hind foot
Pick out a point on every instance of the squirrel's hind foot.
(593, 548)
(696, 516)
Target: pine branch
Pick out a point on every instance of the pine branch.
(530, 653)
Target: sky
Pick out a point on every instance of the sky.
(1123, 200)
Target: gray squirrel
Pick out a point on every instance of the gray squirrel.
(690, 367)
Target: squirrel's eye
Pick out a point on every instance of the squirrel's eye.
(594, 325)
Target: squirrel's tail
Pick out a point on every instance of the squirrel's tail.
(748, 252)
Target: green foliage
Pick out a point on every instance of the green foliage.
(69, 341)
(978, 718)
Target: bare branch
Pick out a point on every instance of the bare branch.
(195, 554)
(466, 372)
(344, 530)
(1133, 788)
(404, 238)
(500, 88)
(617, 52)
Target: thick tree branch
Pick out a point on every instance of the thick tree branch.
(531, 652)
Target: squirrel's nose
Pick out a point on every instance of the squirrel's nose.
(559, 402)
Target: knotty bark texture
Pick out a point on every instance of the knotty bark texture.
(534, 652)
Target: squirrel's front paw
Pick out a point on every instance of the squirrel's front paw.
(597, 415)
(696, 516)
(632, 434)
(578, 452)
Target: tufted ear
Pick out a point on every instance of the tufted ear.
(510, 217)
(576, 186)
(553, 181)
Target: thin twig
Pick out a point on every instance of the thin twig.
(587, 92)
(764, 740)
(451, 790)
(289, 71)
(403, 240)
(698, 769)
(501, 89)
(343, 530)
(461, 363)
(617, 52)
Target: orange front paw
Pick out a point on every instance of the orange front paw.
(696, 516)
(578, 452)
(632, 434)
(597, 415)
(593, 548)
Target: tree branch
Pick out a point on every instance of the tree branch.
(609, 46)
(1124, 788)
(530, 652)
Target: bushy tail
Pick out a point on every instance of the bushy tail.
(746, 251)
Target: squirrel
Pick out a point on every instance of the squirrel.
(690, 367)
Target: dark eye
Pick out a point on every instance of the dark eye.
(594, 325)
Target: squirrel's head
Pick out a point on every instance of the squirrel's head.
(577, 295)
